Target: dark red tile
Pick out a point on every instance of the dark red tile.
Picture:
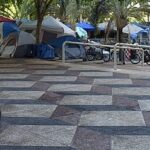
(65, 114)
(72, 73)
(42, 86)
(86, 139)
(85, 80)
(34, 77)
(101, 90)
(141, 82)
(126, 102)
(51, 97)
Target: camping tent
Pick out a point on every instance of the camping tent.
(71, 51)
(132, 28)
(86, 26)
(16, 45)
(4, 19)
(50, 28)
(6, 28)
(67, 30)
(103, 26)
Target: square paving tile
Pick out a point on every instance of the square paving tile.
(17, 84)
(96, 74)
(139, 76)
(35, 135)
(21, 94)
(28, 110)
(126, 142)
(144, 105)
(131, 91)
(13, 76)
(70, 87)
(112, 118)
(112, 81)
(58, 78)
(51, 72)
(86, 100)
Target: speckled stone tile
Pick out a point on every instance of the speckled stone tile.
(141, 82)
(126, 142)
(144, 105)
(51, 97)
(6, 70)
(84, 80)
(126, 102)
(86, 100)
(34, 135)
(112, 118)
(14, 110)
(97, 89)
(58, 78)
(112, 81)
(120, 75)
(41, 86)
(131, 91)
(50, 72)
(13, 76)
(86, 139)
(21, 94)
(96, 74)
(70, 87)
(17, 84)
(146, 115)
(66, 114)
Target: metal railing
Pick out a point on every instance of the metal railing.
(115, 47)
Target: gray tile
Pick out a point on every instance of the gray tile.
(112, 81)
(126, 142)
(58, 78)
(28, 110)
(21, 94)
(35, 135)
(10, 65)
(131, 91)
(96, 74)
(41, 67)
(144, 105)
(13, 76)
(5, 70)
(86, 100)
(16, 84)
(51, 72)
(70, 87)
(112, 118)
(139, 76)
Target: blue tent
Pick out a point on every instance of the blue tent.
(86, 26)
(71, 51)
(6, 28)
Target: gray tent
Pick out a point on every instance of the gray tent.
(16, 44)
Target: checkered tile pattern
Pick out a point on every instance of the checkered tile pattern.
(47, 106)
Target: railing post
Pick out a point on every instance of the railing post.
(142, 56)
(115, 56)
(63, 52)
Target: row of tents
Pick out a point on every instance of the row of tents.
(20, 41)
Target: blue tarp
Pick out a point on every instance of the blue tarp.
(9, 27)
(72, 51)
(86, 26)
(45, 52)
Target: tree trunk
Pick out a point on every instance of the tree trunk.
(121, 51)
(38, 31)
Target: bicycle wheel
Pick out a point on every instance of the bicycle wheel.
(106, 57)
(98, 56)
(136, 59)
(89, 57)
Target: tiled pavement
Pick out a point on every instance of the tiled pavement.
(46, 106)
